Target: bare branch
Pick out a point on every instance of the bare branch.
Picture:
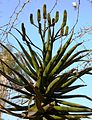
(13, 18)
(53, 6)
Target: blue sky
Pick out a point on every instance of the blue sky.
(85, 20)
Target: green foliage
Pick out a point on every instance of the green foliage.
(47, 79)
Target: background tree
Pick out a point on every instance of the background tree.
(8, 59)
(5, 56)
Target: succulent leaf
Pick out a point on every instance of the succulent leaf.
(57, 69)
(71, 109)
(71, 104)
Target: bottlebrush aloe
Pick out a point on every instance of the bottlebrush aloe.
(46, 78)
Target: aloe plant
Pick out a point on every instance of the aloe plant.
(47, 77)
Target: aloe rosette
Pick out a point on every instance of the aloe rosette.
(46, 79)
